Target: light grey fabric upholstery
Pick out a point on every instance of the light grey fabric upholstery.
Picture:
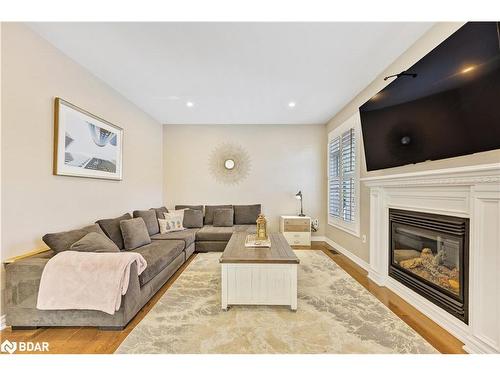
(193, 219)
(62, 241)
(134, 233)
(250, 229)
(246, 214)
(159, 212)
(211, 233)
(150, 218)
(191, 207)
(207, 246)
(190, 250)
(223, 217)
(187, 235)
(95, 243)
(209, 213)
(23, 280)
(158, 254)
(111, 228)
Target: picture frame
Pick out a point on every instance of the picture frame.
(85, 145)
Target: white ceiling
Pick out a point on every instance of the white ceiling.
(235, 73)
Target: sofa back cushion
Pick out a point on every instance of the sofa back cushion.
(111, 227)
(193, 219)
(209, 212)
(246, 214)
(62, 241)
(95, 243)
(223, 217)
(150, 218)
(191, 207)
(135, 233)
(160, 211)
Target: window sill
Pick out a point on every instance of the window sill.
(353, 229)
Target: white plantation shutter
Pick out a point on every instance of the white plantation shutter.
(342, 175)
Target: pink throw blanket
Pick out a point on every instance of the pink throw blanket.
(87, 281)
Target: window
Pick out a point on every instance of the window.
(343, 176)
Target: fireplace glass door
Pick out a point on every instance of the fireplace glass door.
(433, 256)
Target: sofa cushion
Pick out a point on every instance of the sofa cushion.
(209, 213)
(223, 217)
(184, 206)
(111, 227)
(187, 235)
(95, 243)
(246, 214)
(160, 211)
(211, 233)
(158, 255)
(62, 241)
(207, 246)
(193, 219)
(150, 218)
(135, 233)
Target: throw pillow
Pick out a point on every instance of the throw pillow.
(172, 223)
(160, 211)
(135, 233)
(209, 212)
(95, 243)
(223, 217)
(191, 207)
(151, 220)
(193, 219)
(172, 213)
(111, 228)
(62, 241)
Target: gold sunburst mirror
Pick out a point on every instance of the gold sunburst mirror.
(229, 163)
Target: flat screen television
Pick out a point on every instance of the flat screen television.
(445, 105)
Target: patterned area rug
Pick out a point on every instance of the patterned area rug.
(335, 315)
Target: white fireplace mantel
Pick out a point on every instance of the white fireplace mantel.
(472, 192)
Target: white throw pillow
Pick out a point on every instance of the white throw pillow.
(171, 213)
(171, 224)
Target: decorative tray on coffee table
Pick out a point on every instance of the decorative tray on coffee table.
(252, 241)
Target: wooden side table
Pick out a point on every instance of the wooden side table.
(296, 229)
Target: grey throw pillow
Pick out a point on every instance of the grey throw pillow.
(135, 233)
(160, 211)
(246, 214)
(223, 217)
(151, 220)
(209, 213)
(111, 228)
(62, 241)
(95, 243)
(193, 219)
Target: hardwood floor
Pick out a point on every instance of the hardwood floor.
(86, 340)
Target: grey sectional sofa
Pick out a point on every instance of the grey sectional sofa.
(165, 255)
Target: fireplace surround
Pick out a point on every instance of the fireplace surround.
(472, 193)
(428, 253)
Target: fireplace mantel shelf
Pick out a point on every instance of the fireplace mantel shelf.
(471, 192)
(470, 175)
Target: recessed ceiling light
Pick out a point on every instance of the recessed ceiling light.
(291, 104)
(189, 104)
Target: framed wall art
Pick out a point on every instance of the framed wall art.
(85, 145)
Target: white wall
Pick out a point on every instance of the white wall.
(424, 45)
(285, 159)
(34, 201)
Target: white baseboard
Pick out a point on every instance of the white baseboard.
(360, 262)
(3, 322)
(318, 238)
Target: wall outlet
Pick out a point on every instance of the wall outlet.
(363, 238)
(316, 222)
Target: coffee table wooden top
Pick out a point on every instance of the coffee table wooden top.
(279, 252)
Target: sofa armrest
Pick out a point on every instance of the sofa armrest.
(22, 281)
